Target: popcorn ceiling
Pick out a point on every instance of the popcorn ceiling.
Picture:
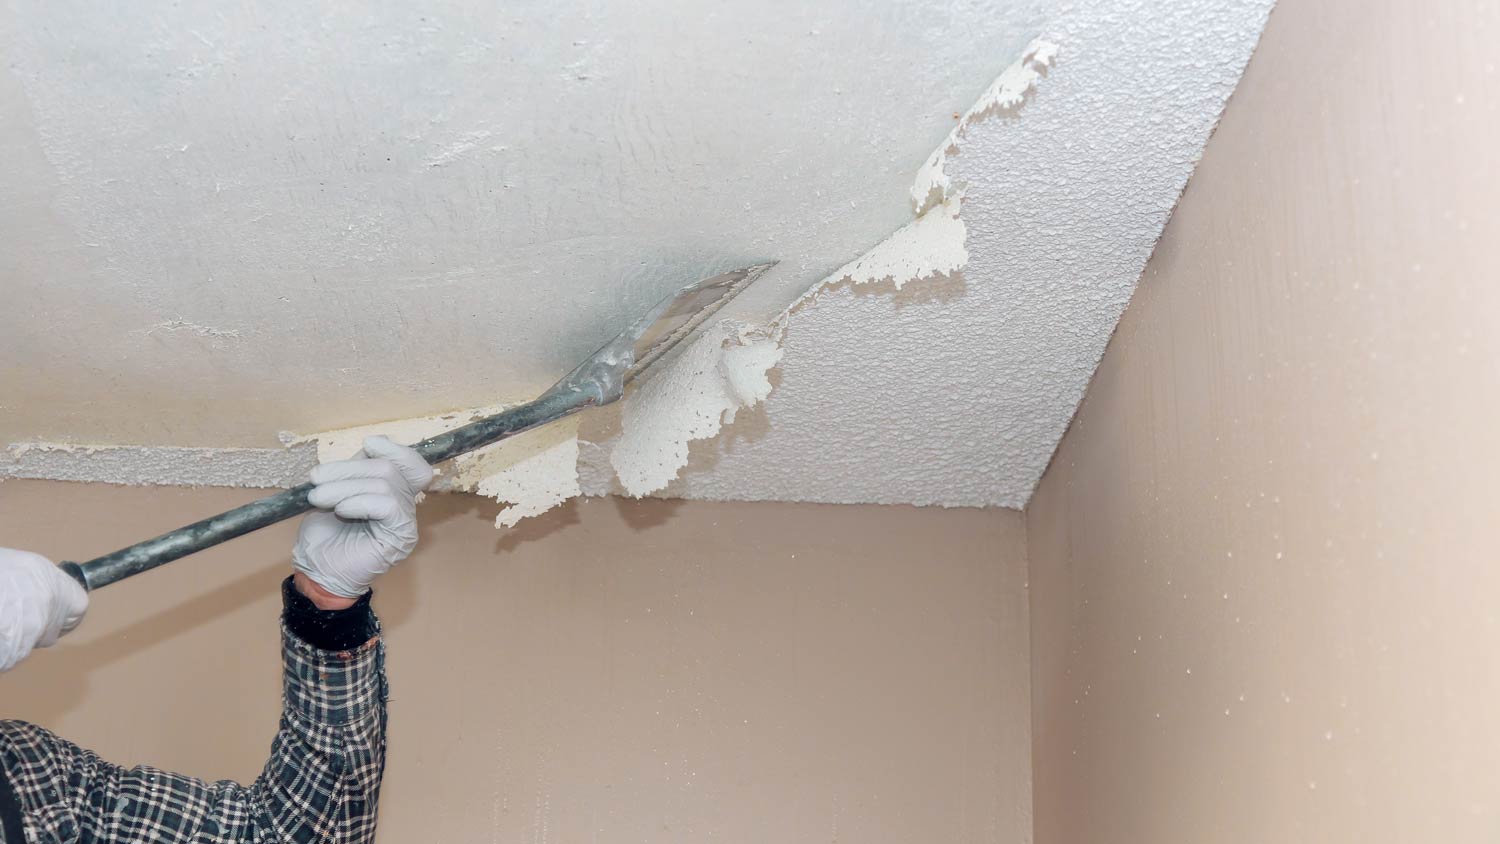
(956, 393)
(723, 371)
(1005, 95)
(703, 386)
(1034, 217)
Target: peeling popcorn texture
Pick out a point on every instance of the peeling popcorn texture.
(691, 396)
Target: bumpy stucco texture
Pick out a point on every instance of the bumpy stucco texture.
(957, 393)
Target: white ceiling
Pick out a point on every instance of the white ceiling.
(959, 395)
(223, 222)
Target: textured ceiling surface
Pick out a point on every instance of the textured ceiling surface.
(229, 222)
(958, 394)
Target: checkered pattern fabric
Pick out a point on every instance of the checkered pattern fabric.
(320, 784)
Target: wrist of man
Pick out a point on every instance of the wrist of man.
(321, 598)
(338, 627)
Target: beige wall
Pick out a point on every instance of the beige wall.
(1264, 574)
(614, 671)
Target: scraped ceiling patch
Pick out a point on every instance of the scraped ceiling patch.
(298, 216)
(536, 471)
(690, 396)
(694, 394)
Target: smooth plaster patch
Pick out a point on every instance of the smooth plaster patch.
(344, 443)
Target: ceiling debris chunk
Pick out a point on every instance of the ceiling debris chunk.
(691, 398)
(533, 472)
(1005, 95)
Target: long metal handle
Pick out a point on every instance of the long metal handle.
(209, 532)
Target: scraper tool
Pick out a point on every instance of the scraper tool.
(599, 380)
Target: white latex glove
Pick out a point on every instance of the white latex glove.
(370, 523)
(38, 603)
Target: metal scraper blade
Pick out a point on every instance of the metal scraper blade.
(678, 316)
(602, 377)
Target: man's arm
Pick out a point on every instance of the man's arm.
(321, 782)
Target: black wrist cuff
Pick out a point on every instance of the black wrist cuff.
(328, 630)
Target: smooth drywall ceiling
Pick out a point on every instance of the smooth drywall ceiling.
(951, 393)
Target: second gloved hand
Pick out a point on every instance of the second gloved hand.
(370, 518)
(38, 603)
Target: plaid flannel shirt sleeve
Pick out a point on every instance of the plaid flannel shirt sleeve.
(321, 783)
